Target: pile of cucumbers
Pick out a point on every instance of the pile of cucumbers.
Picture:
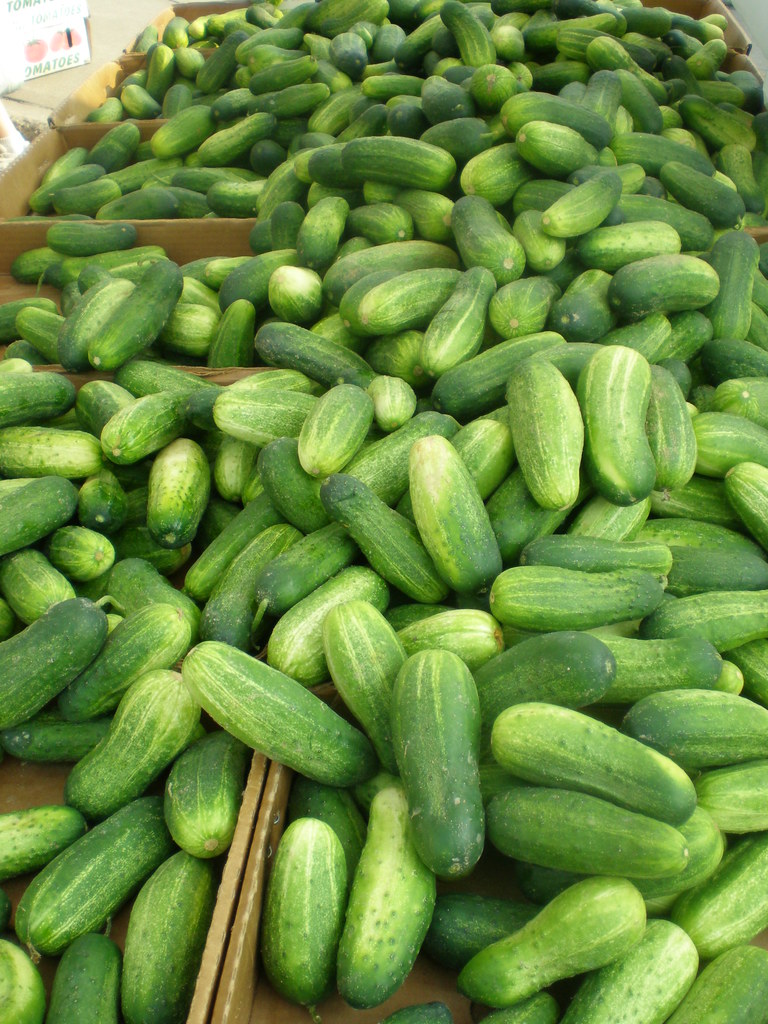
(501, 476)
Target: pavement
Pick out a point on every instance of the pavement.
(114, 24)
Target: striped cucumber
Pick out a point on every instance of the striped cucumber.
(22, 993)
(179, 484)
(32, 838)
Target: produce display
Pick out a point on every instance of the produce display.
(498, 472)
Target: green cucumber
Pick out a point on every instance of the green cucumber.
(64, 900)
(597, 554)
(447, 505)
(730, 990)
(135, 583)
(31, 585)
(571, 831)
(81, 554)
(554, 746)
(483, 241)
(455, 332)
(669, 430)
(179, 484)
(308, 877)
(296, 644)
(547, 598)
(422, 1013)
(86, 985)
(471, 633)
(48, 451)
(436, 718)
(547, 432)
(391, 874)
(727, 618)
(153, 723)
(464, 923)
(101, 503)
(144, 427)
(334, 430)
(49, 738)
(336, 808)
(164, 942)
(32, 838)
(735, 796)
(153, 637)
(203, 794)
(589, 925)
(65, 640)
(281, 718)
(34, 399)
(651, 978)
(22, 993)
(648, 666)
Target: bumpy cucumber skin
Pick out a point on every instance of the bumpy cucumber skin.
(79, 890)
(32, 838)
(47, 737)
(644, 985)
(86, 986)
(727, 618)
(277, 715)
(647, 666)
(304, 911)
(22, 994)
(336, 808)
(179, 485)
(165, 939)
(390, 907)
(451, 518)
(436, 739)
(732, 989)
(587, 926)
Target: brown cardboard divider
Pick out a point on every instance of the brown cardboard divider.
(190, 11)
(24, 785)
(735, 36)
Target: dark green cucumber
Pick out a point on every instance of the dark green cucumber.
(81, 888)
(49, 738)
(135, 583)
(156, 636)
(86, 985)
(65, 639)
(465, 923)
(597, 554)
(101, 503)
(165, 938)
(34, 399)
(203, 794)
(422, 1013)
(648, 666)
(283, 719)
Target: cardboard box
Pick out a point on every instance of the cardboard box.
(51, 35)
(25, 785)
(190, 11)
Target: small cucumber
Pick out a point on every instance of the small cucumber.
(179, 485)
(86, 985)
(32, 838)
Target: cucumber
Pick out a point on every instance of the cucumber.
(65, 640)
(483, 241)
(336, 808)
(334, 430)
(588, 926)
(102, 503)
(296, 644)
(47, 737)
(727, 618)
(729, 908)
(390, 543)
(164, 942)
(464, 923)
(230, 608)
(22, 993)
(86, 985)
(264, 415)
(409, 163)
(364, 655)
(706, 845)
(292, 493)
(436, 720)
(25, 399)
(32, 838)
(81, 888)
(203, 794)
(547, 432)
(614, 390)
(548, 598)
(554, 746)
(570, 831)
(732, 988)
(312, 739)
(135, 583)
(472, 634)
(387, 304)
(447, 506)
(734, 796)
(696, 571)
(153, 723)
(690, 727)
(31, 585)
(390, 874)
(670, 432)
(80, 553)
(651, 979)
(155, 637)
(143, 427)
(647, 666)
(48, 451)
(455, 332)
(423, 1013)
(597, 554)
(179, 485)
(308, 877)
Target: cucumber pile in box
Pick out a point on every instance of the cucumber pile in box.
(502, 478)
